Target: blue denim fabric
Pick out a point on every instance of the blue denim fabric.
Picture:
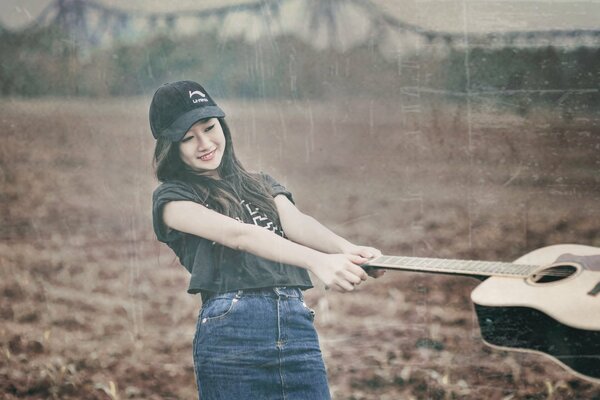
(258, 344)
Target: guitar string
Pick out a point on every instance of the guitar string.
(470, 272)
(555, 273)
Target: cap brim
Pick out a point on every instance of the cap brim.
(177, 130)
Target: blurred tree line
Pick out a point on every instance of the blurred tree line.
(566, 78)
(45, 61)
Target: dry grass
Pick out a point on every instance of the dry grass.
(89, 300)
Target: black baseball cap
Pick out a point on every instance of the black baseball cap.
(177, 106)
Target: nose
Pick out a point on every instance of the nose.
(203, 143)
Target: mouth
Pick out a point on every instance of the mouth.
(208, 156)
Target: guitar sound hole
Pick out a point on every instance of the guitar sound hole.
(553, 274)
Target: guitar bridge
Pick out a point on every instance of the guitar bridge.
(595, 290)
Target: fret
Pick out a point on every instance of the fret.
(401, 261)
(469, 265)
(474, 265)
(501, 268)
(444, 264)
(518, 269)
(405, 261)
(433, 262)
(397, 261)
(409, 260)
(385, 259)
(481, 266)
(507, 268)
(528, 268)
(451, 264)
(510, 268)
(466, 266)
(517, 272)
(458, 265)
(420, 262)
(514, 268)
(484, 267)
(498, 269)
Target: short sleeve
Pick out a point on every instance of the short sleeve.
(276, 187)
(166, 192)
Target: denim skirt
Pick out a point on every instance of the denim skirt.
(258, 344)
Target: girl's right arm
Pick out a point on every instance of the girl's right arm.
(338, 271)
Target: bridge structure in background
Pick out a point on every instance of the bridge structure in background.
(323, 23)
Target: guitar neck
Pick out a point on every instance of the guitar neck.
(456, 267)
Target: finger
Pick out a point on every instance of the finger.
(372, 252)
(349, 274)
(346, 286)
(369, 252)
(358, 260)
(352, 278)
(338, 288)
(358, 271)
(366, 252)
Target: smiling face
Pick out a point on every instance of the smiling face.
(203, 146)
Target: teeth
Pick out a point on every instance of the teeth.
(207, 155)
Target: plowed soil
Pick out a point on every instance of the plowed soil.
(93, 307)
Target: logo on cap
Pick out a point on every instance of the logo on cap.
(197, 93)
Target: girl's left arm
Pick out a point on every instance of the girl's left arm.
(306, 230)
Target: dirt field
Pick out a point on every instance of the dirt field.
(93, 307)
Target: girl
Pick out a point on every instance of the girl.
(255, 336)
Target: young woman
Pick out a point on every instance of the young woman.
(248, 249)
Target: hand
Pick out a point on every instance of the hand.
(366, 252)
(340, 272)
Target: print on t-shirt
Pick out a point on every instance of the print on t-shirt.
(259, 218)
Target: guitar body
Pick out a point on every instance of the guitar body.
(554, 312)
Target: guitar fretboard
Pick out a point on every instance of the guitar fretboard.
(460, 267)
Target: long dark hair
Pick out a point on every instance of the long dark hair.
(222, 195)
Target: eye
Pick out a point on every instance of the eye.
(209, 128)
(187, 139)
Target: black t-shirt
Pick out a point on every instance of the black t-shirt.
(215, 268)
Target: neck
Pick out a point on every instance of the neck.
(456, 267)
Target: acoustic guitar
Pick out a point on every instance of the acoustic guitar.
(547, 301)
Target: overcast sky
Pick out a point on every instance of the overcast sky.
(442, 15)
